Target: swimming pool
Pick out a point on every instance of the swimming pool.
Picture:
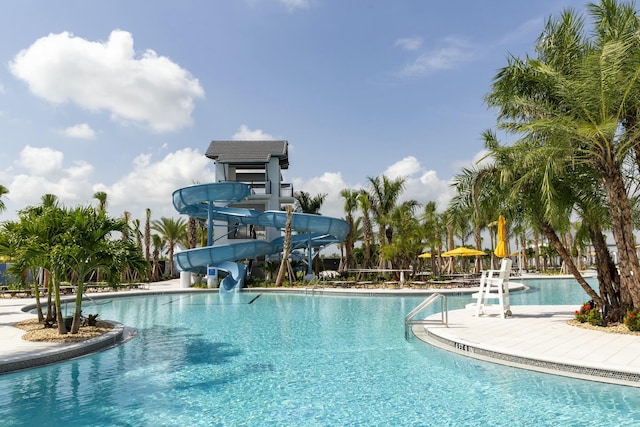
(234, 359)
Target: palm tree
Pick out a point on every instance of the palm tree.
(543, 190)
(580, 97)
(87, 245)
(173, 231)
(384, 193)
(147, 235)
(3, 191)
(476, 194)
(49, 201)
(33, 240)
(433, 232)
(126, 217)
(101, 197)
(158, 247)
(408, 236)
(364, 203)
(286, 250)
(350, 203)
(309, 204)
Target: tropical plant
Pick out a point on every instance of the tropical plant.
(578, 101)
(309, 204)
(147, 235)
(383, 194)
(173, 231)
(3, 191)
(589, 313)
(350, 204)
(87, 244)
(101, 197)
(364, 203)
(632, 320)
(286, 248)
(158, 246)
(433, 233)
(408, 235)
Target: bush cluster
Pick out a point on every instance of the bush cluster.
(632, 320)
(590, 313)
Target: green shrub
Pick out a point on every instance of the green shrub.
(632, 320)
(589, 313)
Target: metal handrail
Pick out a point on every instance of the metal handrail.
(410, 320)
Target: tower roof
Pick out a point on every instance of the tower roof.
(249, 152)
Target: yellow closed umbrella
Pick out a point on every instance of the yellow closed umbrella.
(501, 248)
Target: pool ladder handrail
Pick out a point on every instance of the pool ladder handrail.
(410, 319)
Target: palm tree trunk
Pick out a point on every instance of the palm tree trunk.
(608, 277)
(77, 312)
(59, 319)
(622, 228)
(50, 305)
(286, 247)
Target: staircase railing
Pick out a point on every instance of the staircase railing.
(410, 319)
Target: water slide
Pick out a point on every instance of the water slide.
(211, 202)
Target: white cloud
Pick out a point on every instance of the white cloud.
(409, 43)
(80, 131)
(40, 162)
(109, 76)
(405, 167)
(329, 183)
(152, 184)
(246, 134)
(149, 184)
(452, 53)
(45, 173)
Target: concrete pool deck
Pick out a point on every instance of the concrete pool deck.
(535, 337)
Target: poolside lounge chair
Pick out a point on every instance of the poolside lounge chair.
(494, 285)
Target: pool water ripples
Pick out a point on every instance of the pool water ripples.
(209, 359)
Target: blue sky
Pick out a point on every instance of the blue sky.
(124, 97)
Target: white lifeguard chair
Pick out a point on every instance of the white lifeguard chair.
(494, 285)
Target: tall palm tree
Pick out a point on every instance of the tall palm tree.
(476, 194)
(173, 231)
(286, 250)
(364, 203)
(384, 193)
(147, 235)
(350, 203)
(126, 217)
(408, 236)
(158, 246)
(433, 232)
(581, 96)
(137, 233)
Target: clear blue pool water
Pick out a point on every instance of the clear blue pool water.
(296, 360)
